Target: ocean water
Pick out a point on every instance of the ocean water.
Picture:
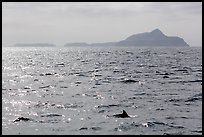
(76, 91)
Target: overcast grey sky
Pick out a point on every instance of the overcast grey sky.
(63, 22)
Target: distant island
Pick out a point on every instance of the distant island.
(154, 38)
(34, 45)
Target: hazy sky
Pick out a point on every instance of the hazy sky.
(63, 22)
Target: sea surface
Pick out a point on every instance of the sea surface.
(76, 91)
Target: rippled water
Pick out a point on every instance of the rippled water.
(76, 91)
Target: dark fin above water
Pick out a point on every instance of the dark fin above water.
(123, 115)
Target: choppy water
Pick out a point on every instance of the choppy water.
(75, 91)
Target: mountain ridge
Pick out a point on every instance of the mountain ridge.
(155, 38)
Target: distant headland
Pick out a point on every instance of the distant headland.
(154, 38)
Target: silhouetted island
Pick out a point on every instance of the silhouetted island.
(154, 38)
(34, 45)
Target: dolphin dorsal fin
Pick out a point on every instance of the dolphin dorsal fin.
(124, 112)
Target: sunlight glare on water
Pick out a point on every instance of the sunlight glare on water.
(77, 91)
